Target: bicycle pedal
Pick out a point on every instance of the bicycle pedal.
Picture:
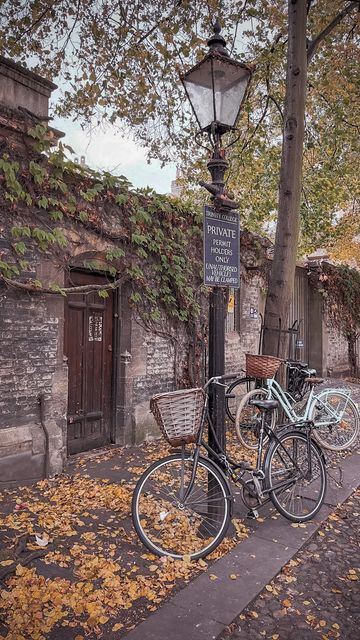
(253, 514)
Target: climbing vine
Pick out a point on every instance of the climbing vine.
(150, 240)
(340, 288)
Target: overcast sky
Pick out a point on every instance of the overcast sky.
(111, 151)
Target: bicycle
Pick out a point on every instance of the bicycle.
(296, 387)
(334, 414)
(182, 504)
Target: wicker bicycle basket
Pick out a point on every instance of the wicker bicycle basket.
(178, 414)
(261, 366)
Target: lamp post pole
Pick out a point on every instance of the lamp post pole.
(216, 88)
(217, 167)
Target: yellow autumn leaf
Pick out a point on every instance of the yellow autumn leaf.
(287, 603)
(268, 587)
(254, 614)
(232, 576)
(212, 576)
(6, 563)
(117, 626)
(322, 623)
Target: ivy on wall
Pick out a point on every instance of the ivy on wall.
(152, 241)
(340, 288)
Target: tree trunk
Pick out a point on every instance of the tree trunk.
(287, 231)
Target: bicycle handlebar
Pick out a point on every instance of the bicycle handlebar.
(223, 378)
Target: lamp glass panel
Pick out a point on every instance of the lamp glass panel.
(198, 84)
(230, 82)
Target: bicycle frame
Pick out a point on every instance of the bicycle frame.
(275, 391)
(230, 467)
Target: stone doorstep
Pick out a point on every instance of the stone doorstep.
(204, 608)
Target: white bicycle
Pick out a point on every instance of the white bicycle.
(334, 414)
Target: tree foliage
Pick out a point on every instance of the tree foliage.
(119, 62)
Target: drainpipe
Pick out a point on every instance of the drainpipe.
(41, 400)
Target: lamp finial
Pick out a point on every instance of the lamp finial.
(217, 42)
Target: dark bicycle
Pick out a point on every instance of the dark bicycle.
(182, 504)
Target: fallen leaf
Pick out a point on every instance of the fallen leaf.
(232, 576)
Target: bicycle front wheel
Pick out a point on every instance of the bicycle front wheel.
(248, 419)
(336, 420)
(234, 394)
(296, 483)
(168, 524)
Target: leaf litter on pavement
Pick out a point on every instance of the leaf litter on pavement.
(95, 575)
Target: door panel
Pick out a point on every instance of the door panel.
(88, 347)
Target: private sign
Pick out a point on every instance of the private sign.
(221, 249)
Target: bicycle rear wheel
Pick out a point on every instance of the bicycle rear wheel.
(169, 526)
(339, 432)
(248, 419)
(234, 394)
(297, 485)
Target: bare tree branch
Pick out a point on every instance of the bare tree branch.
(313, 44)
(88, 288)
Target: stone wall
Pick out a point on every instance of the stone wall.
(336, 354)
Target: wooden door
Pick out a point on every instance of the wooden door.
(88, 347)
(299, 347)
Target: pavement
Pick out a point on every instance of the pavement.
(210, 609)
(279, 580)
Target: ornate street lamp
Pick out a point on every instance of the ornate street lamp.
(216, 88)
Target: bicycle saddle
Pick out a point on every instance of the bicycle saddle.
(265, 405)
(313, 381)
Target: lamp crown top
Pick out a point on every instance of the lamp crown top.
(217, 42)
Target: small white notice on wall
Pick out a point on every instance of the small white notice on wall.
(95, 328)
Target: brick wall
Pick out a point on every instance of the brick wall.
(157, 365)
(30, 367)
(246, 338)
